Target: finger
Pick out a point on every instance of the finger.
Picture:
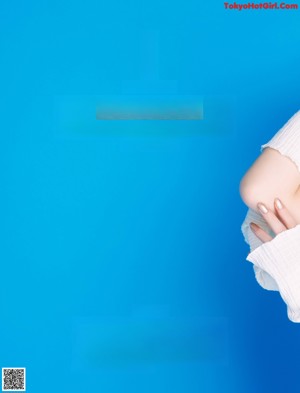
(260, 233)
(284, 215)
(272, 220)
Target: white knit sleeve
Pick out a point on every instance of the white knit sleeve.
(287, 142)
(280, 258)
(287, 139)
(264, 279)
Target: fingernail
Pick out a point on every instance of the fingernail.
(262, 208)
(278, 203)
(252, 226)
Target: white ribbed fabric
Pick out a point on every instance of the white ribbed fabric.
(287, 139)
(280, 258)
(276, 263)
(263, 278)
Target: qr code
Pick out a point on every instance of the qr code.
(13, 379)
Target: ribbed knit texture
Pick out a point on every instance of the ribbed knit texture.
(280, 258)
(276, 263)
(262, 277)
(287, 139)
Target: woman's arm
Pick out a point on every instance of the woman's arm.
(271, 175)
(276, 173)
(280, 258)
(263, 278)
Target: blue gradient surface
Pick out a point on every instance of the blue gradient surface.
(122, 261)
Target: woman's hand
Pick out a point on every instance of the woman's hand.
(279, 222)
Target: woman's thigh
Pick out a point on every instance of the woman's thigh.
(272, 175)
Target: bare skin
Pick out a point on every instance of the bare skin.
(271, 176)
(279, 221)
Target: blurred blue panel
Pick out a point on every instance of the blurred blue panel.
(140, 115)
(135, 341)
(102, 218)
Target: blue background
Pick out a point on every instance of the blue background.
(122, 261)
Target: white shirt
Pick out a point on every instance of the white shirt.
(276, 263)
